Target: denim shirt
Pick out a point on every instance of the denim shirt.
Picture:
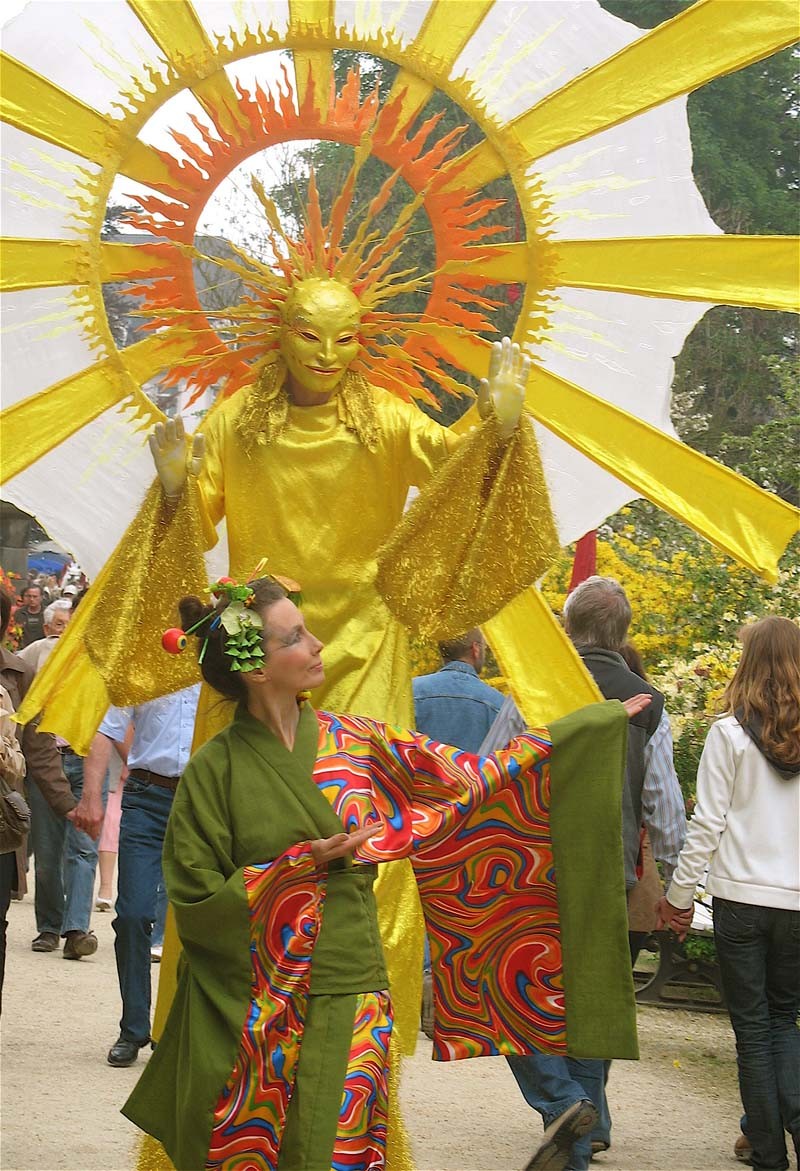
(455, 707)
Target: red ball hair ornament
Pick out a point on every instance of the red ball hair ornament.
(174, 640)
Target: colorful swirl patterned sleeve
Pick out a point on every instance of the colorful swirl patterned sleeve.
(478, 830)
(285, 899)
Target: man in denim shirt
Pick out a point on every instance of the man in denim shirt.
(453, 706)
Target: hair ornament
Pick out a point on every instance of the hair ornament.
(244, 645)
(243, 625)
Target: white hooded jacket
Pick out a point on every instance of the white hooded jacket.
(746, 823)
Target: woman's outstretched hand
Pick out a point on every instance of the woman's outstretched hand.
(636, 704)
(324, 850)
(504, 389)
(173, 459)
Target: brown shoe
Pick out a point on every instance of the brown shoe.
(46, 941)
(743, 1150)
(79, 944)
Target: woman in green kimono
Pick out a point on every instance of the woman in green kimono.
(275, 1052)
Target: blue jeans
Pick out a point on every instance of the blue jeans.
(65, 859)
(145, 810)
(758, 949)
(551, 1084)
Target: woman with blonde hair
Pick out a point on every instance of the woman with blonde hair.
(747, 823)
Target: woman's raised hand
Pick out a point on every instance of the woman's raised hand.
(636, 704)
(173, 459)
(324, 850)
(504, 389)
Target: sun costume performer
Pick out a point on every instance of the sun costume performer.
(611, 265)
(276, 1050)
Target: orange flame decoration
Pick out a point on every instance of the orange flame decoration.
(396, 350)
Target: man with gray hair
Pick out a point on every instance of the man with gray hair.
(56, 617)
(569, 1093)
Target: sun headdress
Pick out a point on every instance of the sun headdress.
(238, 344)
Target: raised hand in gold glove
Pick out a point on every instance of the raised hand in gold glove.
(173, 457)
(503, 392)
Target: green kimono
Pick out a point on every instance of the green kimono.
(276, 1047)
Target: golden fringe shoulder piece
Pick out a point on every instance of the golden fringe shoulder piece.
(487, 514)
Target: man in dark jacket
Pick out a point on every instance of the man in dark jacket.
(43, 764)
(570, 1094)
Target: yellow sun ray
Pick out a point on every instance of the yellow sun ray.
(38, 424)
(527, 641)
(672, 59)
(761, 271)
(34, 104)
(446, 29)
(505, 263)
(119, 262)
(733, 513)
(317, 63)
(38, 264)
(177, 30)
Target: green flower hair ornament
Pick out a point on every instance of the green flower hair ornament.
(243, 626)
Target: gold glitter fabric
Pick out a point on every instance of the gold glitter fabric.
(264, 414)
(151, 1156)
(158, 560)
(477, 535)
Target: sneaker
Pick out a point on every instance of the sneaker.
(101, 904)
(79, 944)
(743, 1149)
(46, 941)
(561, 1134)
(156, 951)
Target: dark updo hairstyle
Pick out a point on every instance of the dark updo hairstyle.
(216, 665)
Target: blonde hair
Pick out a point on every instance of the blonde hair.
(766, 685)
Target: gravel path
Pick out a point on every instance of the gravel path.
(675, 1110)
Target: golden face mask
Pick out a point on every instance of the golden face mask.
(319, 337)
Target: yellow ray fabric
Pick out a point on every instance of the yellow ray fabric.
(505, 263)
(32, 103)
(711, 38)
(37, 264)
(176, 29)
(741, 519)
(36, 425)
(179, 33)
(118, 262)
(445, 31)
(316, 63)
(763, 271)
(545, 672)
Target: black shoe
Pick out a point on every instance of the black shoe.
(124, 1052)
(561, 1134)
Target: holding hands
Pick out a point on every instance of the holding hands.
(174, 460)
(673, 917)
(504, 389)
